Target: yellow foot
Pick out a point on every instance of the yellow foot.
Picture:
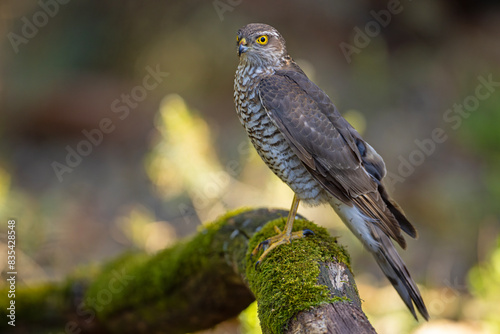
(282, 238)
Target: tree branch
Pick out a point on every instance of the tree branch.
(305, 286)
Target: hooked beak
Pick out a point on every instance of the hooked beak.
(242, 48)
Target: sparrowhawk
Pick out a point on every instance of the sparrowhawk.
(304, 140)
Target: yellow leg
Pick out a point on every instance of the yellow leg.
(291, 215)
(282, 237)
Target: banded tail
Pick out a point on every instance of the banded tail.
(395, 270)
(375, 219)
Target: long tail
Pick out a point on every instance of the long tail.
(375, 236)
(395, 270)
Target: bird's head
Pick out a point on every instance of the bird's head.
(261, 45)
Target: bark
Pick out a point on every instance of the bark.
(303, 287)
(339, 317)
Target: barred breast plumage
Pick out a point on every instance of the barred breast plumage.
(268, 140)
(304, 140)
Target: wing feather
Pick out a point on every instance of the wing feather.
(329, 147)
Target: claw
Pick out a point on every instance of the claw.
(269, 244)
(283, 237)
(262, 245)
(307, 232)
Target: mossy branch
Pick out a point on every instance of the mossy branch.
(305, 286)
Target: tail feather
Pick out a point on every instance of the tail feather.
(398, 213)
(376, 237)
(372, 205)
(395, 270)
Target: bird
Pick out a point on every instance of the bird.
(301, 136)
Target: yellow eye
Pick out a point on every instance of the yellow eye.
(262, 40)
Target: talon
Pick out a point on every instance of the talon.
(264, 244)
(277, 240)
(283, 237)
(307, 232)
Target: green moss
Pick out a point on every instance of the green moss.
(28, 300)
(205, 272)
(159, 275)
(286, 282)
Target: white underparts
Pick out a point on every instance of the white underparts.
(357, 222)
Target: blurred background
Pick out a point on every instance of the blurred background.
(118, 131)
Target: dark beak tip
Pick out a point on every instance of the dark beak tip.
(242, 49)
